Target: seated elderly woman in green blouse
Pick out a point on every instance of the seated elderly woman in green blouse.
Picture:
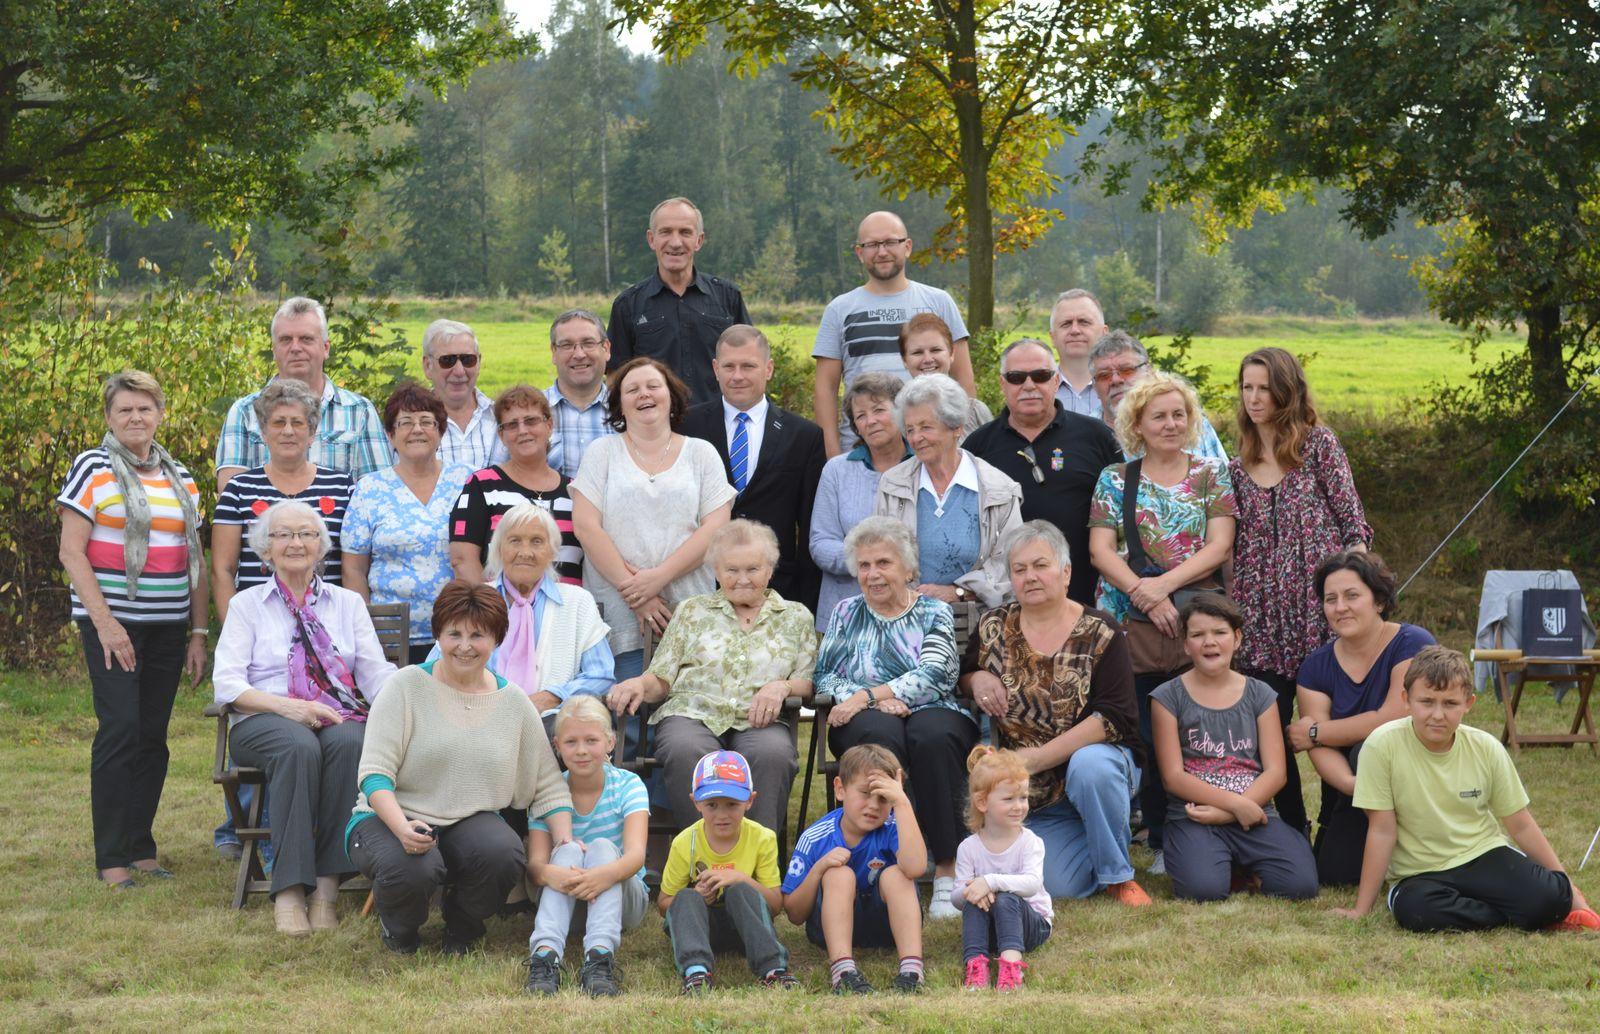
(726, 663)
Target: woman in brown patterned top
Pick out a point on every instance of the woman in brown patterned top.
(1056, 679)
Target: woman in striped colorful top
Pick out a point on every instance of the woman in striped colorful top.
(130, 544)
(287, 412)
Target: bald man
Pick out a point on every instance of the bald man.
(860, 331)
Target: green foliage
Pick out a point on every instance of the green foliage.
(442, 198)
(1119, 287)
(776, 273)
(215, 108)
(1203, 287)
(555, 262)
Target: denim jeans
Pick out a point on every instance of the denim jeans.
(1086, 832)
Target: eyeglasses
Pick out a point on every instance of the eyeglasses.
(1122, 373)
(415, 423)
(1033, 461)
(1022, 376)
(888, 242)
(588, 344)
(530, 422)
(466, 359)
(306, 535)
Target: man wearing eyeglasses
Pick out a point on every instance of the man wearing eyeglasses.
(450, 361)
(580, 349)
(349, 434)
(860, 330)
(1076, 323)
(1054, 454)
(1118, 361)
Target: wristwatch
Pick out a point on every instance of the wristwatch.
(872, 701)
(961, 594)
(1312, 732)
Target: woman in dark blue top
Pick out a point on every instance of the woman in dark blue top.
(1346, 688)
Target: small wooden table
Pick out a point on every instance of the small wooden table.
(1512, 672)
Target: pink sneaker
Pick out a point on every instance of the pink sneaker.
(977, 974)
(1010, 978)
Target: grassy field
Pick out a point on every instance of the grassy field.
(1352, 365)
(175, 956)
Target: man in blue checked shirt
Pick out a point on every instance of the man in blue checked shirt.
(451, 362)
(349, 434)
(578, 398)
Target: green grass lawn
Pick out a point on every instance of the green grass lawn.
(1352, 365)
(175, 956)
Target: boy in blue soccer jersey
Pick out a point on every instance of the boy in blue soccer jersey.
(852, 880)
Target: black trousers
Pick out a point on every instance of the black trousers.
(1501, 887)
(932, 746)
(128, 761)
(477, 861)
(1152, 792)
(1341, 834)
(1290, 801)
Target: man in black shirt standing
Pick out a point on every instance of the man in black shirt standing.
(677, 313)
(1056, 456)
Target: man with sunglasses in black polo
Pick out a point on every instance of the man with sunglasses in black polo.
(1056, 456)
(451, 362)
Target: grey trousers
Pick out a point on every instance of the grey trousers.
(311, 779)
(1200, 859)
(680, 742)
(743, 920)
(622, 906)
(477, 861)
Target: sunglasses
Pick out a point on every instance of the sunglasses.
(1033, 461)
(1022, 376)
(466, 359)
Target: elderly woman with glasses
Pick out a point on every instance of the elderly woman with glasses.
(299, 664)
(524, 476)
(396, 532)
(957, 505)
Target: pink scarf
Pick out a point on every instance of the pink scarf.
(316, 671)
(519, 657)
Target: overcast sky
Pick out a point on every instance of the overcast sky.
(534, 13)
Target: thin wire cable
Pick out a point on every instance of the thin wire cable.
(1503, 475)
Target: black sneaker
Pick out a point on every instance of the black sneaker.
(696, 985)
(454, 948)
(781, 979)
(544, 973)
(907, 982)
(399, 945)
(851, 982)
(599, 975)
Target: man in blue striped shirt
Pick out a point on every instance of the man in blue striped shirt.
(451, 362)
(1118, 361)
(578, 398)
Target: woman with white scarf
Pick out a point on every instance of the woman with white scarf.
(130, 545)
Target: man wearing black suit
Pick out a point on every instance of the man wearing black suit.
(773, 458)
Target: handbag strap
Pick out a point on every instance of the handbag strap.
(1138, 560)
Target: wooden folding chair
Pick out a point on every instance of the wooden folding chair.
(818, 758)
(392, 622)
(1513, 670)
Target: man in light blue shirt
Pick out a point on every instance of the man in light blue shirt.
(578, 399)
(1076, 323)
(1119, 361)
(451, 361)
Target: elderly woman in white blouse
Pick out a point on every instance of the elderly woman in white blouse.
(299, 664)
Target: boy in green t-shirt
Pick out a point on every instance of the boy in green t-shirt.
(720, 885)
(1444, 806)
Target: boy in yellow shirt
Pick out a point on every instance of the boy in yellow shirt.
(720, 885)
(1444, 806)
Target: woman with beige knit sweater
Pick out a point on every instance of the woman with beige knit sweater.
(450, 746)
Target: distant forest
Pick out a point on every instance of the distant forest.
(538, 177)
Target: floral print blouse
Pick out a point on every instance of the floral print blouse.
(715, 667)
(913, 653)
(1172, 520)
(1091, 675)
(408, 541)
(1284, 532)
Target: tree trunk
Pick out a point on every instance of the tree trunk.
(967, 96)
(605, 123)
(1544, 352)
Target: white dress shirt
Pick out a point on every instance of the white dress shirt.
(754, 431)
(966, 476)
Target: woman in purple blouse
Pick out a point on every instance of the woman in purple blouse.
(1297, 506)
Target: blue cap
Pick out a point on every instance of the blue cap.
(723, 773)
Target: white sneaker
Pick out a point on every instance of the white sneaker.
(940, 907)
(1159, 866)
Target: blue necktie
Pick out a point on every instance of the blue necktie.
(739, 452)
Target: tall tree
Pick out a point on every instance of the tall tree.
(1476, 114)
(157, 104)
(957, 99)
(444, 199)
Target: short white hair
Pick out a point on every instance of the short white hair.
(516, 517)
(442, 332)
(299, 307)
(880, 531)
(260, 535)
(743, 532)
(1029, 532)
(950, 403)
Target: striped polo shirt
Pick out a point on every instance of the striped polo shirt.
(91, 492)
(247, 496)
